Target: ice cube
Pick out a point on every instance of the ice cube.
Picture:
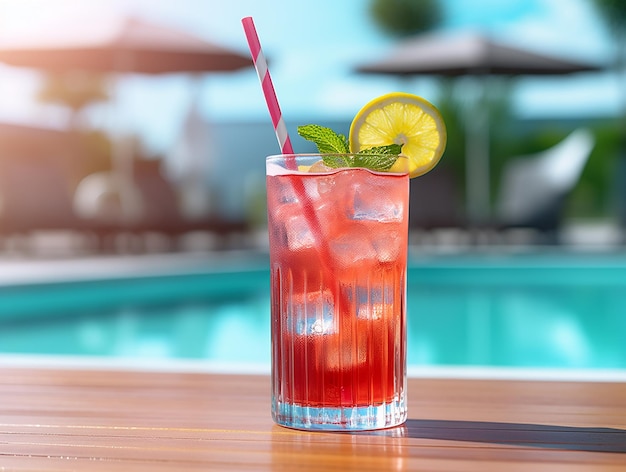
(320, 326)
(387, 245)
(292, 227)
(369, 302)
(299, 235)
(372, 205)
(370, 311)
(343, 356)
(326, 184)
(312, 313)
(352, 247)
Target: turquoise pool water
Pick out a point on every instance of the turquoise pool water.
(481, 310)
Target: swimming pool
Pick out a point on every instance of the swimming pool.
(525, 310)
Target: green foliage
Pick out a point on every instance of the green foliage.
(457, 109)
(451, 110)
(594, 195)
(614, 14)
(406, 17)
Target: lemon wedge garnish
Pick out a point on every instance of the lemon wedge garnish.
(405, 119)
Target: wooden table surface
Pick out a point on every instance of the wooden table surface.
(57, 419)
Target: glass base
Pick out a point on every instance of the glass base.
(362, 418)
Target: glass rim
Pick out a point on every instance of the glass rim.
(279, 164)
(316, 154)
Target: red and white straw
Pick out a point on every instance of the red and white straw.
(284, 142)
(260, 64)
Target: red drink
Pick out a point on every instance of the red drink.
(338, 296)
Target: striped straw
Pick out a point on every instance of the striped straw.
(285, 145)
(260, 64)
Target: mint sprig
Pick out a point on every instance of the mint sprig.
(379, 158)
(326, 139)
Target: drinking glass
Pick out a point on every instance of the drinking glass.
(338, 252)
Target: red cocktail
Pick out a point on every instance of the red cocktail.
(338, 295)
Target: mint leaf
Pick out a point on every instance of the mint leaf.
(335, 147)
(379, 158)
(337, 161)
(327, 141)
(388, 150)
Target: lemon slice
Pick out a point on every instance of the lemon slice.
(404, 119)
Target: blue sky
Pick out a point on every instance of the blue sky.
(314, 47)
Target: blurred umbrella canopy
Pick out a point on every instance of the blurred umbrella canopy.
(454, 55)
(128, 45)
(471, 54)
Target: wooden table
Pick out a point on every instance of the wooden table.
(56, 419)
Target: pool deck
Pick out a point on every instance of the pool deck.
(76, 418)
(26, 270)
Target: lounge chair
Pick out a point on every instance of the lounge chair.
(157, 210)
(534, 189)
(35, 195)
(162, 211)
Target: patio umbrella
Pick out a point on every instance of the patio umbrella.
(129, 45)
(471, 54)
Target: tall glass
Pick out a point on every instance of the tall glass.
(338, 250)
